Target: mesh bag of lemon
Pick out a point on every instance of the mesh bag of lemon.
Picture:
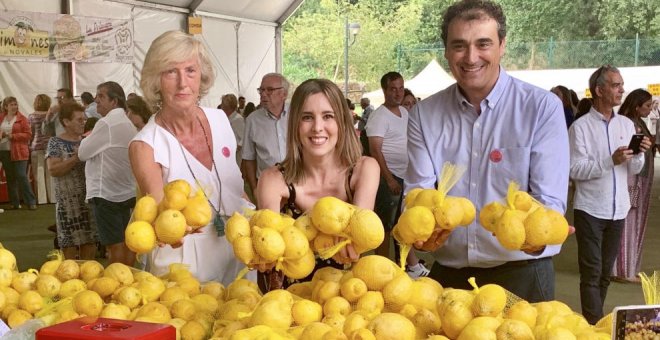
(429, 209)
(268, 237)
(167, 221)
(523, 223)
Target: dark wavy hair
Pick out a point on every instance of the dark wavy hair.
(469, 10)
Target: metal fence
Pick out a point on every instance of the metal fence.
(547, 55)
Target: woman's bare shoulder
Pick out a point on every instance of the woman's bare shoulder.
(366, 166)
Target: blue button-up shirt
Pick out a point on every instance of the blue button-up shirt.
(520, 135)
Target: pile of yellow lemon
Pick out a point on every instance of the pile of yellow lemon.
(523, 223)
(167, 222)
(373, 300)
(269, 237)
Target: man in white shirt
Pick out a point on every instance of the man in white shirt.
(110, 183)
(387, 134)
(229, 105)
(264, 141)
(600, 165)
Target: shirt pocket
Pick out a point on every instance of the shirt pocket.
(513, 165)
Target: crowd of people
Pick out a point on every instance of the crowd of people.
(290, 155)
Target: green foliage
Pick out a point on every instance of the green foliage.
(404, 35)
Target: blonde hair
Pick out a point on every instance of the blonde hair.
(348, 147)
(170, 48)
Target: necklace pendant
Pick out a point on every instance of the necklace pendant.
(219, 223)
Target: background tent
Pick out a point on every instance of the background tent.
(428, 81)
(243, 36)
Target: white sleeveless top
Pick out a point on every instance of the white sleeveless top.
(209, 257)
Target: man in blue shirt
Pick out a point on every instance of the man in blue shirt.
(501, 129)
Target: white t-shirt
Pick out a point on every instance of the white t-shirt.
(6, 125)
(383, 123)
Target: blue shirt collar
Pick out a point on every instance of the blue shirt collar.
(495, 94)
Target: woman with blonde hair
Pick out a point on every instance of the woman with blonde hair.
(324, 158)
(186, 141)
(38, 149)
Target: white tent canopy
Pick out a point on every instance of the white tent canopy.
(244, 38)
(428, 81)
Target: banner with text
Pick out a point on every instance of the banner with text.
(35, 36)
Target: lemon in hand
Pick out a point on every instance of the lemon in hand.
(197, 211)
(415, 224)
(146, 209)
(268, 243)
(237, 225)
(330, 215)
(170, 226)
(366, 230)
(140, 237)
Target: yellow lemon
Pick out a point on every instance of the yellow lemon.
(22, 282)
(301, 267)
(305, 312)
(193, 330)
(304, 223)
(392, 326)
(170, 226)
(489, 300)
(173, 294)
(409, 200)
(191, 285)
(449, 213)
(371, 302)
(267, 218)
(538, 228)
(427, 198)
(48, 285)
(205, 303)
(104, 286)
(296, 243)
(140, 237)
(353, 288)
(30, 301)
(423, 295)
(174, 199)
(559, 227)
(215, 289)
(415, 224)
(72, 287)
(427, 321)
(7, 275)
(179, 185)
(490, 214)
(268, 243)
(7, 259)
(198, 212)
(130, 297)
(330, 215)
(469, 211)
(183, 309)
(337, 305)
(366, 230)
(397, 292)
(115, 311)
(68, 269)
(324, 290)
(522, 200)
(376, 271)
(301, 289)
(18, 317)
(151, 288)
(146, 209)
(522, 311)
(237, 225)
(272, 313)
(243, 249)
(88, 302)
(90, 270)
(154, 311)
(454, 317)
(120, 272)
(510, 229)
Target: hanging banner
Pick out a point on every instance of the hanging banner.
(35, 36)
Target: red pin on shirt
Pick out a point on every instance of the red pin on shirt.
(495, 156)
(226, 152)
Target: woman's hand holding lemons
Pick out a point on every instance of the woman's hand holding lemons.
(169, 221)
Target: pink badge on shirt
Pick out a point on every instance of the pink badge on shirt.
(226, 152)
(495, 156)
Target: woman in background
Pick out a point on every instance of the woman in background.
(409, 99)
(76, 230)
(564, 95)
(138, 111)
(15, 135)
(628, 264)
(38, 145)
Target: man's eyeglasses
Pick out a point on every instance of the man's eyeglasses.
(268, 90)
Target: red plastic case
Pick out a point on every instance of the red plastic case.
(102, 328)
